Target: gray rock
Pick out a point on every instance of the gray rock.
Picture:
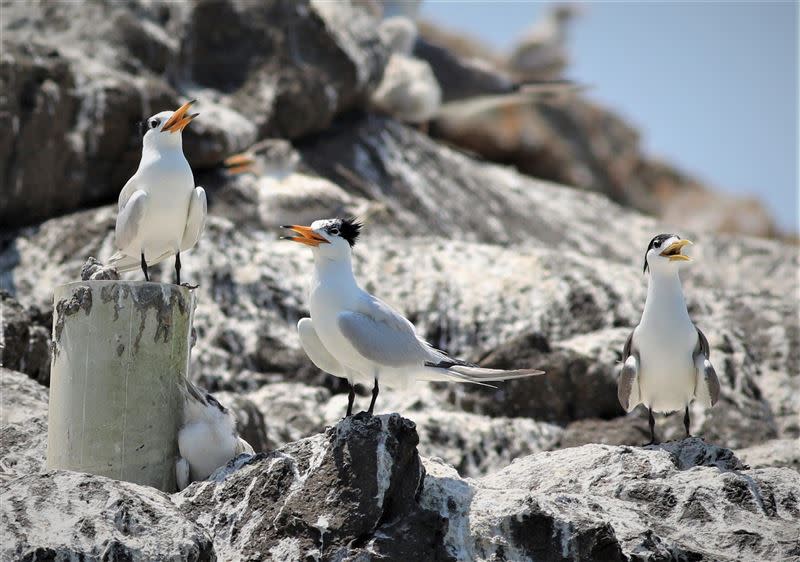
(348, 493)
(24, 448)
(617, 503)
(25, 334)
(21, 399)
(777, 453)
(93, 270)
(63, 515)
(289, 66)
(23, 425)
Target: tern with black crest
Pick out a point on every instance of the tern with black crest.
(161, 213)
(666, 358)
(354, 335)
(207, 438)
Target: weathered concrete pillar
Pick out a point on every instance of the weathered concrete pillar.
(119, 351)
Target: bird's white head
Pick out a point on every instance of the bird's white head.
(664, 254)
(163, 130)
(331, 239)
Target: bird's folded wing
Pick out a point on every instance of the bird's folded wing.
(628, 382)
(316, 350)
(243, 446)
(706, 389)
(382, 335)
(196, 219)
(127, 191)
(129, 219)
(182, 473)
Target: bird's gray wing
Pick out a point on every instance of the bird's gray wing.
(196, 219)
(127, 191)
(382, 335)
(129, 219)
(628, 382)
(316, 350)
(706, 389)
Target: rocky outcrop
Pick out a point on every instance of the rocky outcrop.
(617, 503)
(25, 334)
(348, 492)
(359, 490)
(65, 515)
(23, 425)
(543, 276)
(83, 75)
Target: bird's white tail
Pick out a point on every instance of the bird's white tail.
(124, 263)
(474, 374)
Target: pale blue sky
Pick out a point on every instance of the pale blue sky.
(713, 86)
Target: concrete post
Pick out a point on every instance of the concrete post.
(119, 351)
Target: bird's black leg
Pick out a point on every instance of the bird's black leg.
(686, 422)
(144, 268)
(178, 268)
(652, 423)
(350, 398)
(374, 397)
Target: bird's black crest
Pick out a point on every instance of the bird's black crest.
(214, 402)
(349, 229)
(656, 242)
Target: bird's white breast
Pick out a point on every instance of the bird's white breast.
(329, 298)
(206, 446)
(665, 339)
(168, 182)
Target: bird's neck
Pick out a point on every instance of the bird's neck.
(664, 294)
(339, 270)
(171, 148)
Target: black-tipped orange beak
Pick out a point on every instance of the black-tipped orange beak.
(307, 236)
(239, 163)
(179, 120)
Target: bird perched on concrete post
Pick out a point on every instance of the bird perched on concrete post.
(666, 358)
(161, 212)
(354, 335)
(207, 439)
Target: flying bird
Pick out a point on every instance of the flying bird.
(207, 439)
(354, 335)
(161, 213)
(666, 358)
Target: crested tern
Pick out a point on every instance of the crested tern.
(354, 335)
(160, 213)
(207, 439)
(666, 358)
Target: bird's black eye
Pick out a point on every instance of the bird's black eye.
(334, 231)
(657, 245)
(154, 123)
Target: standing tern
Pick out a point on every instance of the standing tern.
(207, 439)
(354, 335)
(666, 358)
(161, 212)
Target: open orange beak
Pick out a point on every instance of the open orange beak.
(179, 120)
(239, 163)
(307, 236)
